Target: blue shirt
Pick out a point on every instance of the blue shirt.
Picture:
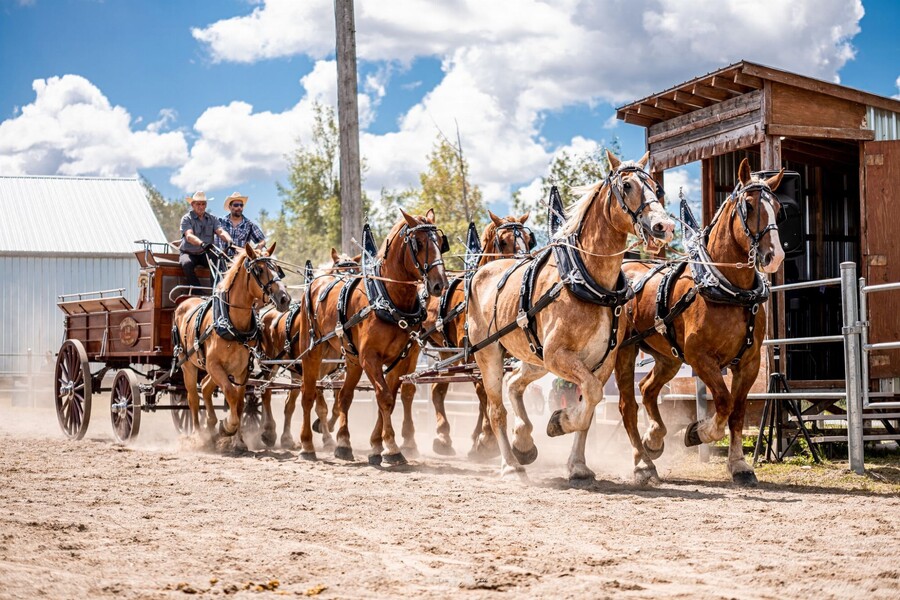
(246, 231)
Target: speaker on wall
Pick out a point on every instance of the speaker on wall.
(790, 219)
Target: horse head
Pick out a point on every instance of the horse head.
(640, 199)
(753, 218)
(508, 236)
(343, 264)
(266, 277)
(424, 244)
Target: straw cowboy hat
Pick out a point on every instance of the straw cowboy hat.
(232, 198)
(198, 197)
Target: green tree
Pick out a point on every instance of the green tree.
(168, 212)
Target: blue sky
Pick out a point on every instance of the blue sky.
(213, 94)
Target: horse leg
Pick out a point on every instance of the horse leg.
(287, 440)
(743, 378)
(644, 469)
(523, 444)
(307, 399)
(408, 430)
(267, 437)
(442, 443)
(322, 417)
(344, 450)
(712, 428)
(484, 442)
(208, 388)
(490, 362)
(665, 368)
(190, 384)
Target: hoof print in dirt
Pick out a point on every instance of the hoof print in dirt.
(527, 457)
(441, 448)
(745, 479)
(375, 460)
(343, 453)
(307, 456)
(393, 460)
(554, 427)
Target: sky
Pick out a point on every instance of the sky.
(216, 94)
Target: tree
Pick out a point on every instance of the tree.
(446, 189)
(168, 212)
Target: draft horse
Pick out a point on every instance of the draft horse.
(445, 327)
(717, 321)
(216, 335)
(564, 317)
(373, 323)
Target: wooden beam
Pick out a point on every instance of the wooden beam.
(823, 87)
(691, 99)
(748, 80)
(348, 121)
(728, 84)
(671, 106)
(770, 151)
(706, 116)
(646, 109)
(635, 119)
(711, 93)
(803, 131)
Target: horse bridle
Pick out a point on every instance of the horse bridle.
(434, 234)
(739, 195)
(254, 268)
(519, 231)
(614, 181)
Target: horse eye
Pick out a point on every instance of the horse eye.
(749, 207)
(626, 186)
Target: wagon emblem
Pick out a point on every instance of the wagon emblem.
(129, 331)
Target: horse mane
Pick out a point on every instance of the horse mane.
(576, 212)
(236, 265)
(382, 250)
(489, 234)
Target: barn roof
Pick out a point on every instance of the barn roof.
(729, 82)
(74, 216)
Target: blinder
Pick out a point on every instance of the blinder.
(435, 234)
(519, 231)
(739, 195)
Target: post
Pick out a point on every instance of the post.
(852, 349)
(702, 449)
(348, 120)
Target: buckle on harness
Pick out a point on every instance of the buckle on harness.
(522, 319)
(339, 329)
(755, 309)
(617, 310)
(402, 324)
(660, 326)
(439, 325)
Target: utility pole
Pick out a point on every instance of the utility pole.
(348, 119)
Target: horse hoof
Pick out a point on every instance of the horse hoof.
(222, 432)
(317, 426)
(554, 428)
(328, 445)
(343, 453)
(268, 439)
(653, 454)
(375, 460)
(442, 448)
(395, 459)
(525, 458)
(308, 455)
(645, 475)
(691, 435)
(410, 451)
(287, 443)
(745, 479)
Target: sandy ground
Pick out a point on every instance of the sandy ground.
(92, 519)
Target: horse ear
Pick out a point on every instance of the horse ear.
(357, 259)
(524, 217)
(644, 159)
(429, 216)
(497, 220)
(334, 255)
(251, 253)
(271, 250)
(613, 161)
(775, 180)
(410, 220)
(744, 172)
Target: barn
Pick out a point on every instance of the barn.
(62, 235)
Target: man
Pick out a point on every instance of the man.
(198, 229)
(240, 228)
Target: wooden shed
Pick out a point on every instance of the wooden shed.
(843, 145)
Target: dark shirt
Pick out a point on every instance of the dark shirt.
(204, 228)
(246, 231)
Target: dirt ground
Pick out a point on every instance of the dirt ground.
(91, 519)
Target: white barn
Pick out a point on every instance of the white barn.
(61, 235)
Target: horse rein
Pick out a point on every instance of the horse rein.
(410, 242)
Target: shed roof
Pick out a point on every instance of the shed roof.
(728, 82)
(74, 216)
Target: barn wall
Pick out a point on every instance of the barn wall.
(29, 317)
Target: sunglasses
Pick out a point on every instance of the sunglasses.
(237, 205)
(199, 203)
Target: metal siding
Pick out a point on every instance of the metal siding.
(75, 215)
(885, 123)
(29, 317)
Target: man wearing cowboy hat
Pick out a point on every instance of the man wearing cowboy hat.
(198, 229)
(240, 228)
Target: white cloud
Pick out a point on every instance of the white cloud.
(680, 179)
(72, 129)
(897, 95)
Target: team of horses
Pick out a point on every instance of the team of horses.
(573, 309)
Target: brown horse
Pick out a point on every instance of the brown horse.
(570, 336)
(503, 237)
(277, 327)
(220, 341)
(371, 342)
(709, 334)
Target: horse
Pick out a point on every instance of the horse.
(571, 329)
(372, 326)
(503, 237)
(709, 330)
(216, 335)
(281, 340)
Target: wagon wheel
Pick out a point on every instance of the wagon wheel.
(125, 406)
(73, 389)
(181, 417)
(251, 420)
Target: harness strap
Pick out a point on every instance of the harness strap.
(748, 338)
(525, 320)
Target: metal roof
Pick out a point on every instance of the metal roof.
(74, 216)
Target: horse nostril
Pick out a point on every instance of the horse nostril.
(659, 227)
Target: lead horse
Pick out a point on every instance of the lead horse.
(216, 335)
(717, 321)
(564, 318)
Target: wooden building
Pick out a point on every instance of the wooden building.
(844, 145)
